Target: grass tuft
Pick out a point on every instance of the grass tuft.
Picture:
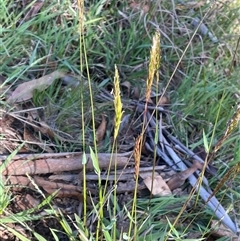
(101, 45)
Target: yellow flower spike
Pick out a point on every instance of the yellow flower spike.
(232, 124)
(154, 63)
(117, 103)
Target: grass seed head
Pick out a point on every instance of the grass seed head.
(117, 103)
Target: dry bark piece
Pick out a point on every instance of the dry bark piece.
(26, 201)
(64, 190)
(178, 179)
(63, 177)
(125, 174)
(72, 162)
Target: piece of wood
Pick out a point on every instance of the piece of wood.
(64, 190)
(67, 163)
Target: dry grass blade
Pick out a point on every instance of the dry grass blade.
(232, 172)
(101, 129)
(230, 127)
(35, 8)
(212, 202)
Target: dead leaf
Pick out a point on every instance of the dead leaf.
(124, 126)
(220, 230)
(33, 10)
(156, 184)
(177, 180)
(139, 6)
(101, 129)
(136, 94)
(127, 85)
(25, 90)
(164, 100)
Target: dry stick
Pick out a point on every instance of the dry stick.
(213, 203)
(53, 155)
(159, 151)
(182, 148)
(179, 146)
(50, 165)
(38, 155)
(65, 190)
(140, 104)
(169, 149)
(152, 125)
(121, 176)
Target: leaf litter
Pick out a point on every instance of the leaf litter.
(52, 163)
(25, 90)
(48, 164)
